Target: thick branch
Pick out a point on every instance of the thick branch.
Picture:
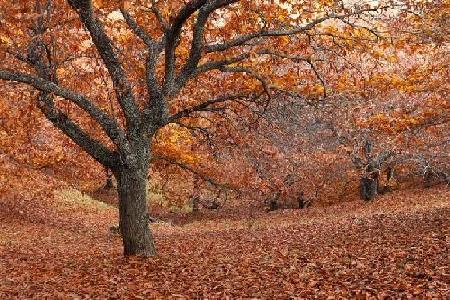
(156, 110)
(195, 52)
(108, 124)
(172, 35)
(188, 10)
(106, 50)
(92, 146)
(40, 58)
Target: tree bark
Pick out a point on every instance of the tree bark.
(109, 180)
(368, 188)
(132, 190)
(369, 183)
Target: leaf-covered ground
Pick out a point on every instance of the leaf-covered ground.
(397, 246)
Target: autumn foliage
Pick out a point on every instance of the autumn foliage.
(394, 86)
(214, 119)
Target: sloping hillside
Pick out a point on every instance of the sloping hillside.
(396, 246)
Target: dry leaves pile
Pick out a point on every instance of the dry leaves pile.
(397, 246)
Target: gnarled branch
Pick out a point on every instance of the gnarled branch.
(92, 146)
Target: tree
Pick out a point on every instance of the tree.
(178, 53)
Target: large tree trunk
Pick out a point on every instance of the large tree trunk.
(132, 189)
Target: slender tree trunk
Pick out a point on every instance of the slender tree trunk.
(368, 188)
(132, 189)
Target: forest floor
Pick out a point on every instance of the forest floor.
(395, 247)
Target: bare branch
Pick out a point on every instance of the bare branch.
(204, 105)
(251, 73)
(195, 52)
(139, 31)
(196, 129)
(192, 170)
(375, 33)
(215, 65)
(206, 67)
(313, 67)
(294, 58)
(219, 64)
(242, 39)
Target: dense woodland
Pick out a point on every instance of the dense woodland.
(228, 148)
